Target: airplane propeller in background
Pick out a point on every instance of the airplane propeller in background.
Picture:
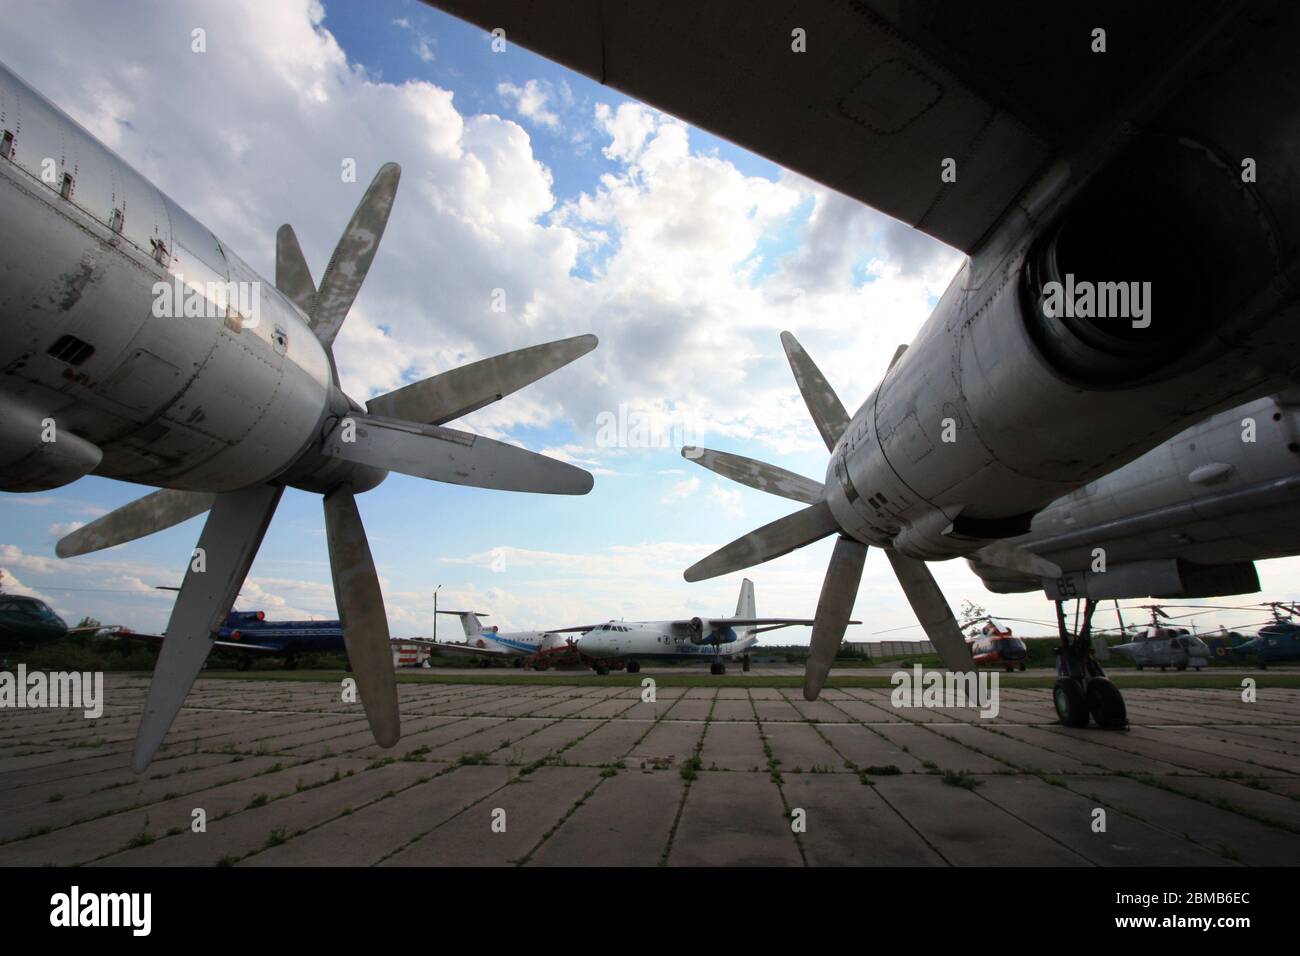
(816, 521)
(399, 431)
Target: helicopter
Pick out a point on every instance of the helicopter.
(1276, 642)
(1163, 646)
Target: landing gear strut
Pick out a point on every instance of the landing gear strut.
(717, 668)
(1082, 689)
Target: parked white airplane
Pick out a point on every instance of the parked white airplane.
(619, 644)
(538, 649)
(138, 346)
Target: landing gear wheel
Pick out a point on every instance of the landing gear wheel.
(1022, 665)
(633, 667)
(744, 664)
(290, 663)
(243, 663)
(601, 670)
(717, 668)
(1071, 702)
(518, 662)
(1106, 704)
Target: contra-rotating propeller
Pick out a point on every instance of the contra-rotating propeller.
(816, 521)
(400, 431)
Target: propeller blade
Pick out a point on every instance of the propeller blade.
(227, 546)
(1011, 557)
(932, 610)
(292, 275)
(141, 517)
(456, 457)
(839, 591)
(757, 474)
(353, 255)
(823, 404)
(770, 541)
(362, 616)
(456, 393)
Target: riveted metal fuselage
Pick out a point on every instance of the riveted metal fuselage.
(132, 327)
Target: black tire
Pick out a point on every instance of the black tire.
(717, 669)
(601, 670)
(1022, 665)
(1106, 704)
(744, 665)
(1071, 702)
(290, 663)
(633, 667)
(243, 663)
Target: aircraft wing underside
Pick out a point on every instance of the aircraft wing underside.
(487, 651)
(884, 92)
(232, 645)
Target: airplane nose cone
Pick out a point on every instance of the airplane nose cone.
(593, 644)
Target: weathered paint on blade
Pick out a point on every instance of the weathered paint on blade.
(362, 616)
(229, 542)
(932, 610)
(459, 391)
(770, 541)
(292, 274)
(353, 255)
(141, 517)
(823, 404)
(839, 591)
(456, 457)
(757, 474)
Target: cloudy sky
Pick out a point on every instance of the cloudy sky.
(593, 213)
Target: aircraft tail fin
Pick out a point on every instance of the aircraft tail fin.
(469, 621)
(745, 605)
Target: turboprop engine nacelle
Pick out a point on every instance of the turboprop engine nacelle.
(1116, 296)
